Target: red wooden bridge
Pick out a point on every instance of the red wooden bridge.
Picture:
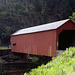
(44, 39)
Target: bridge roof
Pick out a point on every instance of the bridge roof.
(39, 28)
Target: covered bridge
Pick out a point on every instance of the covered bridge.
(44, 39)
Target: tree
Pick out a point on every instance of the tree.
(72, 17)
(18, 14)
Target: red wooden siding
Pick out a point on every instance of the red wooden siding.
(42, 43)
(67, 26)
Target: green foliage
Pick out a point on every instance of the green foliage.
(72, 17)
(17, 14)
(61, 65)
(34, 59)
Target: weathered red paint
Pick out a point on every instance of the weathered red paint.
(67, 26)
(40, 43)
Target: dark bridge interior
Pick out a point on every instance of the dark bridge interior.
(66, 39)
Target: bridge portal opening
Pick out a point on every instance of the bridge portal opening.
(66, 39)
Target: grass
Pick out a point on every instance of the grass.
(64, 64)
